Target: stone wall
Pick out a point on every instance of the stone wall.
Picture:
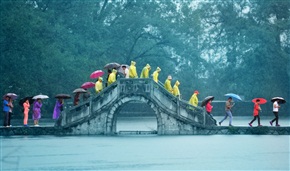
(221, 130)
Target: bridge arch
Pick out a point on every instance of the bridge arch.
(111, 124)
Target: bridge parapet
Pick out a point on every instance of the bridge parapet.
(98, 114)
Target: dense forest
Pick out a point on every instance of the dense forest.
(214, 46)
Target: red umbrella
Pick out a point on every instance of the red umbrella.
(88, 85)
(262, 100)
(97, 74)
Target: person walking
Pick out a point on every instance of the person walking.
(256, 112)
(26, 106)
(99, 85)
(167, 84)
(176, 91)
(6, 109)
(125, 71)
(36, 111)
(275, 111)
(112, 77)
(194, 99)
(145, 71)
(57, 108)
(132, 70)
(228, 113)
(156, 74)
(208, 108)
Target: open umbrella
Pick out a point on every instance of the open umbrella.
(281, 100)
(13, 96)
(40, 96)
(205, 100)
(63, 96)
(97, 74)
(262, 100)
(21, 101)
(79, 90)
(234, 96)
(88, 85)
(112, 65)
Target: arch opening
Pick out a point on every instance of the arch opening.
(135, 116)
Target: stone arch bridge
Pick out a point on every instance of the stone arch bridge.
(97, 116)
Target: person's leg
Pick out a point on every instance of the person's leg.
(9, 118)
(25, 120)
(231, 117)
(226, 116)
(252, 121)
(277, 119)
(259, 123)
(5, 119)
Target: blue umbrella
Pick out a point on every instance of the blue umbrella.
(234, 96)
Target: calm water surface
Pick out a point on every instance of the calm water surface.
(147, 152)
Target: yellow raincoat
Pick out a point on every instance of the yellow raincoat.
(167, 85)
(145, 71)
(112, 77)
(193, 100)
(155, 74)
(99, 85)
(132, 70)
(176, 89)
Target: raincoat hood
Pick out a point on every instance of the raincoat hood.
(177, 83)
(133, 63)
(100, 79)
(115, 71)
(148, 66)
(158, 69)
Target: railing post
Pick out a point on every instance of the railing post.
(178, 106)
(204, 117)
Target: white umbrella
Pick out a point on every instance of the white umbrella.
(40, 96)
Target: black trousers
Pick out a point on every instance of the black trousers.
(7, 118)
(255, 117)
(276, 118)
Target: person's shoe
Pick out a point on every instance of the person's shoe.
(250, 124)
(220, 123)
(277, 125)
(25, 125)
(271, 123)
(260, 125)
(231, 125)
(36, 125)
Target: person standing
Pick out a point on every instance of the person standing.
(257, 109)
(10, 104)
(57, 108)
(125, 71)
(167, 84)
(99, 85)
(275, 111)
(36, 111)
(26, 106)
(132, 70)
(176, 91)
(6, 109)
(156, 74)
(145, 71)
(112, 77)
(194, 100)
(229, 114)
(76, 98)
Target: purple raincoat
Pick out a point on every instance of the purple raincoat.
(36, 110)
(57, 110)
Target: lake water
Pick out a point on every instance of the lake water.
(147, 152)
